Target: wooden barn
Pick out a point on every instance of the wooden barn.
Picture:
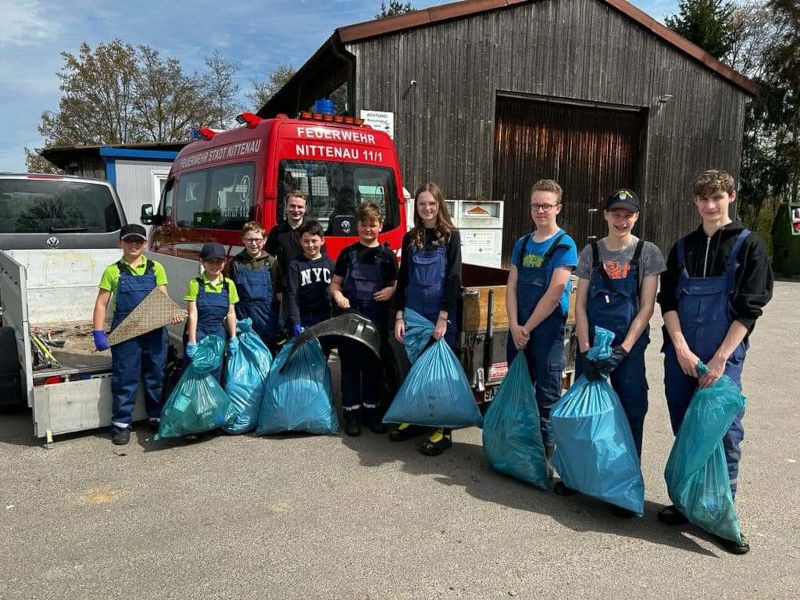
(488, 96)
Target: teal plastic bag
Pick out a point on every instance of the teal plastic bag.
(198, 403)
(595, 453)
(696, 471)
(246, 376)
(512, 435)
(418, 332)
(435, 393)
(299, 399)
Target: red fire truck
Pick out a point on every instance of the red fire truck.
(227, 178)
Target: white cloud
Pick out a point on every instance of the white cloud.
(25, 22)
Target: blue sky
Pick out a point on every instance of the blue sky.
(256, 35)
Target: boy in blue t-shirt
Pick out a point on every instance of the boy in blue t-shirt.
(537, 299)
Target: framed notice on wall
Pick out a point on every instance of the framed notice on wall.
(380, 120)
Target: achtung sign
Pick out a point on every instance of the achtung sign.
(380, 120)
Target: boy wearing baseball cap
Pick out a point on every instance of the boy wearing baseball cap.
(617, 284)
(211, 299)
(126, 283)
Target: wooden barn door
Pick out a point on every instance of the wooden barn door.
(589, 151)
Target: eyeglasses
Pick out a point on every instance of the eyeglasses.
(543, 207)
(253, 240)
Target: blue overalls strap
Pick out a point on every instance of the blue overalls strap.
(202, 287)
(733, 262)
(547, 255)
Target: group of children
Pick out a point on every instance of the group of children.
(714, 285)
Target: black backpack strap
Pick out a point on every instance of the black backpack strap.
(554, 246)
(595, 256)
(525, 241)
(149, 266)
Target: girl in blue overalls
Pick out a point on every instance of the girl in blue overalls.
(430, 284)
(130, 280)
(211, 299)
(537, 299)
(717, 282)
(617, 291)
(257, 277)
(364, 279)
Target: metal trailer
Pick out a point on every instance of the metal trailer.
(56, 289)
(484, 331)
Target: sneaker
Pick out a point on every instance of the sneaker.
(352, 427)
(121, 438)
(437, 443)
(672, 516)
(403, 432)
(562, 490)
(732, 546)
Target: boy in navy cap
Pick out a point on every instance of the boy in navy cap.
(618, 280)
(211, 299)
(130, 280)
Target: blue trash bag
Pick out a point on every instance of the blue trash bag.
(697, 473)
(198, 403)
(299, 399)
(595, 453)
(512, 435)
(418, 331)
(435, 393)
(246, 375)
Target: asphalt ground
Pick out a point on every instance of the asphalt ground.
(365, 518)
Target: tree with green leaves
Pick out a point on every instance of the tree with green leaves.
(707, 23)
(263, 89)
(223, 91)
(120, 94)
(394, 8)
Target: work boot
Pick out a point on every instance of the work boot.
(672, 516)
(403, 432)
(562, 490)
(732, 546)
(352, 427)
(153, 424)
(121, 438)
(377, 426)
(437, 443)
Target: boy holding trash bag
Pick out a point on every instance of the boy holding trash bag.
(537, 299)
(618, 280)
(364, 279)
(211, 298)
(130, 280)
(257, 276)
(717, 282)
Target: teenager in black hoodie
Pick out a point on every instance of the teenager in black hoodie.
(717, 282)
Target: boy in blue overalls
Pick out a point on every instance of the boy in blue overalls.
(130, 280)
(618, 280)
(211, 298)
(537, 299)
(717, 282)
(364, 280)
(258, 282)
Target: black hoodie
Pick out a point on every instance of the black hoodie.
(706, 257)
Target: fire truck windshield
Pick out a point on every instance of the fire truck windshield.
(336, 189)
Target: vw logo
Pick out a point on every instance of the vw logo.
(346, 226)
(53, 242)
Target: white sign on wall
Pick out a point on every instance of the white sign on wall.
(380, 120)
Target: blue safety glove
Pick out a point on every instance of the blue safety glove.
(590, 370)
(233, 346)
(191, 349)
(296, 330)
(606, 365)
(100, 340)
